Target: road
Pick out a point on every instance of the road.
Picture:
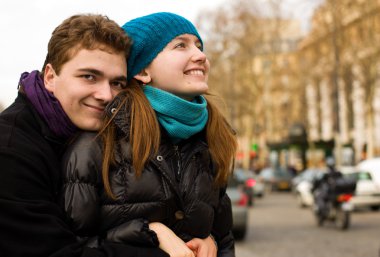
(279, 228)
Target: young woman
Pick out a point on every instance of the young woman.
(158, 175)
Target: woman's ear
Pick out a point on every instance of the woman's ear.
(144, 77)
(49, 78)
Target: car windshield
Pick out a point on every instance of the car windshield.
(362, 175)
(269, 173)
(266, 173)
(283, 173)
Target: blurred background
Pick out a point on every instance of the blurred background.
(300, 83)
(296, 89)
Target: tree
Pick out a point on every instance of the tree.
(249, 49)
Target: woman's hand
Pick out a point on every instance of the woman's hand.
(170, 242)
(203, 247)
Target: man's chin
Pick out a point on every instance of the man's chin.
(90, 126)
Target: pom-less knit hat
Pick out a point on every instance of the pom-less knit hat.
(150, 34)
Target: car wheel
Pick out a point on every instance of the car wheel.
(251, 201)
(239, 234)
(375, 207)
(318, 217)
(342, 219)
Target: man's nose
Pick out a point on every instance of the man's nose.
(104, 92)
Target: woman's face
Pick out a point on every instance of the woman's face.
(181, 68)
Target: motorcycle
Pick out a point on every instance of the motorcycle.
(337, 211)
(334, 207)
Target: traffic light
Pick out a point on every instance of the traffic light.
(253, 153)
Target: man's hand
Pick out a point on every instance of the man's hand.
(203, 247)
(170, 242)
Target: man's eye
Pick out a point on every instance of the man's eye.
(119, 84)
(88, 77)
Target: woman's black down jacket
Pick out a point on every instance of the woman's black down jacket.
(175, 188)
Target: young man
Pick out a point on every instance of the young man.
(84, 69)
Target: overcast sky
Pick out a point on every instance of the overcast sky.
(26, 26)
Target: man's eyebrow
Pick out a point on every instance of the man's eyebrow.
(100, 73)
(120, 78)
(93, 71)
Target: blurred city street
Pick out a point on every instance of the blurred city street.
(278, 227)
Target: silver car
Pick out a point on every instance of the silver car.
(367, 192)
(239, 201)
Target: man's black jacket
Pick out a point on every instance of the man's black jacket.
(31, 221)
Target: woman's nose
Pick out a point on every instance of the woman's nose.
(199, 55)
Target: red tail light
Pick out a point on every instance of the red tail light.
(243, 201)
(250, 182)
(344, 197)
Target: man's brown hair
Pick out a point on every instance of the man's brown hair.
(85, 31)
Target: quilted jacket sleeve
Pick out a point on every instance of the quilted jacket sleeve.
(81, 167)
(222, 228)
(81, 174)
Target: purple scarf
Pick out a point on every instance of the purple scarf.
(47, 105)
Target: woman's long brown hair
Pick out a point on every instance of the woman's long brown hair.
(145, 135)
(222, 142)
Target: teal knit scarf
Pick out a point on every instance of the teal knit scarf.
(180, 118)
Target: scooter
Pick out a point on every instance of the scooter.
(335, 208)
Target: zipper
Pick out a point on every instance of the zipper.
(173, 186)
(178, 155)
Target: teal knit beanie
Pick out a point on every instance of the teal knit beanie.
(150, 34)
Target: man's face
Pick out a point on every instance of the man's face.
(86, 84)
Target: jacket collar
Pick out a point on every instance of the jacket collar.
(122, 117)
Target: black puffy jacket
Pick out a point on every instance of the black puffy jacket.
(175, 188)
(31, 220)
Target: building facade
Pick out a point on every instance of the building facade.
(340, 68)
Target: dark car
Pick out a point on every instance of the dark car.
(245, 178)
(239, 201)
(277, 178)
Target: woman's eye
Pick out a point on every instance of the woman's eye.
(180, 45)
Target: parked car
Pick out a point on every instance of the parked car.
(258, 185)
(303, 184)
(239, 201)
(247, 183)
(307, 174)
(253, 186)
(372, 166)
(276, 179)
(367, 176)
